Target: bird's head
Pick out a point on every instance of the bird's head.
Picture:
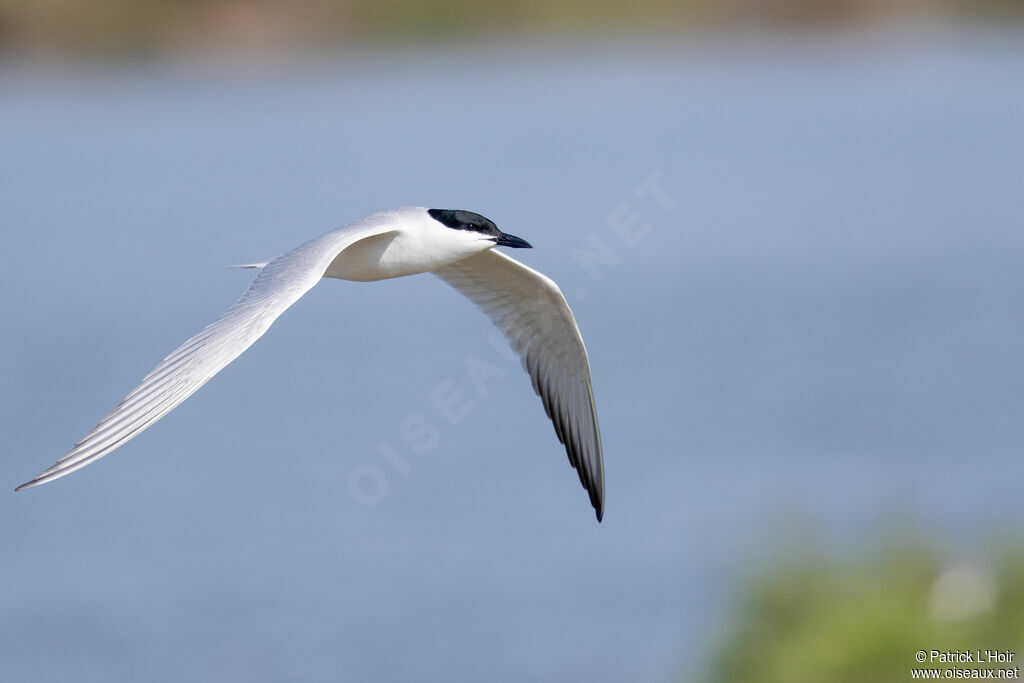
(474, 228)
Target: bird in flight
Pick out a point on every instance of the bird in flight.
(458, 247)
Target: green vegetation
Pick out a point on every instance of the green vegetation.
(817, 619)
(133, 27)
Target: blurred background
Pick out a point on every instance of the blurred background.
(791, 232)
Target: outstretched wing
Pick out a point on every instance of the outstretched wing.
(279, 284)
(530, 310)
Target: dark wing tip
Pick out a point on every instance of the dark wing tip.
(596, 492)
(590, 470)
(592, 480)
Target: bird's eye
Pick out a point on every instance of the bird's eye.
(472, 226)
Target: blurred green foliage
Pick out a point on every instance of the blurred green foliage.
(812, 618)
(140, 27)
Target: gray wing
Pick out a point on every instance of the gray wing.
(530, 310)
(278, 285)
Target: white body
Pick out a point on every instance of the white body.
(528, 308)
(419, 246)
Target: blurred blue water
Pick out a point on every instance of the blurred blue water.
(823, 333)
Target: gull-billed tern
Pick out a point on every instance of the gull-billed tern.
(458, 247)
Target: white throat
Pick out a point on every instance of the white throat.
(410, 242)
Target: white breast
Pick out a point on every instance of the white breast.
(415, 247)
